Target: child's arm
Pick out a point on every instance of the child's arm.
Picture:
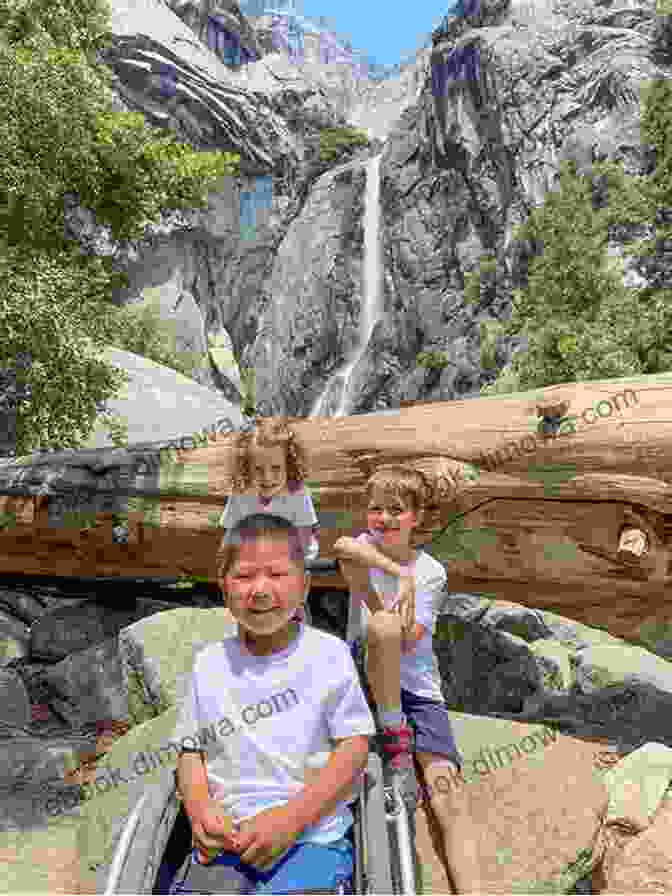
(356, 554)
(212, 831)
(192, 781)
(333, 783)
(347, 548)
(409, 641)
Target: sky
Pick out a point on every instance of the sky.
(384, 32)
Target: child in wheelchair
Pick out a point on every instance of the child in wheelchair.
(389, 580)
(285, 697)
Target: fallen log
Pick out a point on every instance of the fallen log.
(557, 498)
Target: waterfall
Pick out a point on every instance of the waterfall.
(338, 383)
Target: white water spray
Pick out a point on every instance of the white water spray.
(371, 305)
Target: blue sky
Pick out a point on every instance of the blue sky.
(386, 33)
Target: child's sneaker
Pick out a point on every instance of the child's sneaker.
(397, 745)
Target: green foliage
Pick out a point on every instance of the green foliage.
(489, 331)
(458, 542)
(335, 142)
(432, 360)
(60, 137)
(118, 429)
(580, 321)
(7, 520)
(473, 279)
(247, 381)
(52, 306)
(78, 24)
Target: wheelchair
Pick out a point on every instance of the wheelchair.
(156, 838)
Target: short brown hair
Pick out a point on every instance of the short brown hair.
(252, 528)
(403, 482)
(268, 432)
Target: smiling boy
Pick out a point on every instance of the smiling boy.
(259, 794)
(401, 666)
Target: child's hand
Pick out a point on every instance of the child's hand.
(357, 578)
(405, 605)
(266, 836)
(212, 832)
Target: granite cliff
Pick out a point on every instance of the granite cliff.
(460, 167)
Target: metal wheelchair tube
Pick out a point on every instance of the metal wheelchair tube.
(122, 850)
(322, 567)
(397, 817)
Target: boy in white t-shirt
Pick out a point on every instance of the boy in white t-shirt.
(271, 747)
(401, 665)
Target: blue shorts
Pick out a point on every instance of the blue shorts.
(431, 726)
(306, 866)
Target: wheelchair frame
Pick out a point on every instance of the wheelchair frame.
(382, 865)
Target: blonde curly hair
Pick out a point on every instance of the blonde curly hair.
(268, 432)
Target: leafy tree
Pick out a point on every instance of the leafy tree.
(335, 142)
(59, 136)
(580, 321)
(432, 360)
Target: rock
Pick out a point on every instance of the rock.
(157, 655)
(134, 763)
(196, 15)
(72, 629)
(21, 604)
(14, 638)
(643, 864)
(149, 401)
(585, 681)
(41, 859)
(637, 785)
(88, 686)
(27, 761)
(521, 785)
(14, 702)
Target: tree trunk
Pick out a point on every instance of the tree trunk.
(568, 513)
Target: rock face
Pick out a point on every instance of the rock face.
(479, 154)
(467, 135)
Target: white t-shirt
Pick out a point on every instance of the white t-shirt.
(262, 720)
(296, 507)
(419, 668)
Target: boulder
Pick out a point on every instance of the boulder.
(147, 404)
(14, 702)
(642, 864)
(552, 669)
(637, 785)
(21, 604)
(26, 761)
(14, 638)
(536, 799)
(88, 686)
(41, 860)
(157, 655)
(72, 629)
(133, 764)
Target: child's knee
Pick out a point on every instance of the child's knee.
(384, 627)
